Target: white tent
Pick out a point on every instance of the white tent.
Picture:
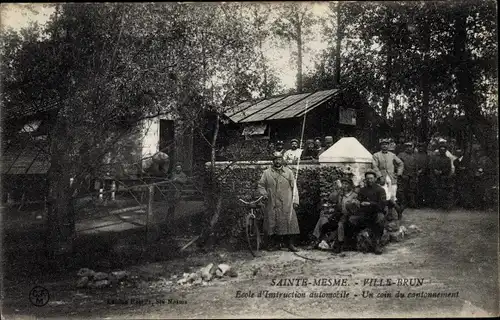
(347, 149)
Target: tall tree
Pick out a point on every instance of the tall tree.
(109, 66)
(294, 25)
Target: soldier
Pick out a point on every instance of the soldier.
(317, 144)
(441, 178)
(278, 186)
(462, 178)
(422, 167)
(372, 199)
(409, 181)
(328, 142)
(310, 152)
(279, 146)
(388, 168)
(347, 204)
(484, 179)
(292, 155)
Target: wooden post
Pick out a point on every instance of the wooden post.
(113, 190)
(149, 213)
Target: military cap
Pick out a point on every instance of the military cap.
(277, 154)
(370, 171)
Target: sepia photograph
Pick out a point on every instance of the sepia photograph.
(261, 159)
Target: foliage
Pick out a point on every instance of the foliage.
(237, 181)
(411, 58)
(107, 67)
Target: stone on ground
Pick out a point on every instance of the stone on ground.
(100, 276)
(100, 284)
(206, 273)
(82, 282)
(120, 275)
(224, 268)
(85, 272)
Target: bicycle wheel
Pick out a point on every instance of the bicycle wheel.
(253, 234)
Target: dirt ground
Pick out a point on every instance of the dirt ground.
(455, 251)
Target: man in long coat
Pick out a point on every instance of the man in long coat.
(278, 186)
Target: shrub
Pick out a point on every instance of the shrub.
(314, 182)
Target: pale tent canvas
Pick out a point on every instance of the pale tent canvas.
(347, 149)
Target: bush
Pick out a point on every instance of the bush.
(314, 182)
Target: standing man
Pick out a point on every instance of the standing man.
(372, 200)
(310, 152)
(328, 142)
(278, 186)
(292, 155)
(178, 176)
(179, 179)
(388, 168)
(462, 179)
(441, 178)
(279, 146)
(484, 179)
(317, 144)
(409, 183)
(422, 166)
(270, 149)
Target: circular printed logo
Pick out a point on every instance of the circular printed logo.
(39, 296)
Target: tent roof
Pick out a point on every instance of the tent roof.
(347, 149)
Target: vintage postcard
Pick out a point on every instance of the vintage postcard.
(249, 160)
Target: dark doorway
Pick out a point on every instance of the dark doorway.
(167, 139)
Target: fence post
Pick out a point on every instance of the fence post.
(113, 190)
(149, 213)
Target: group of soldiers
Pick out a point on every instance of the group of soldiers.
(313, 148)
(438, 178)
(424, 178)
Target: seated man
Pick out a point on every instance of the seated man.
(372, 200)
(344, 203)
(347, 204)
(327, 214)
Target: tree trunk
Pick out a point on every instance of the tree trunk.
(60, 213)
(215, 200)
(214, 140)
(425, 85)
(388, 80)
(337, 48)
(299, 59)
(465, 82)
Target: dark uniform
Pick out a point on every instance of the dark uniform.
(463, 176)
(409, 181)
(441, 181)
(371, 216)
(423, 181)
(483, 181)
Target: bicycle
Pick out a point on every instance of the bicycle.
(252, 222)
